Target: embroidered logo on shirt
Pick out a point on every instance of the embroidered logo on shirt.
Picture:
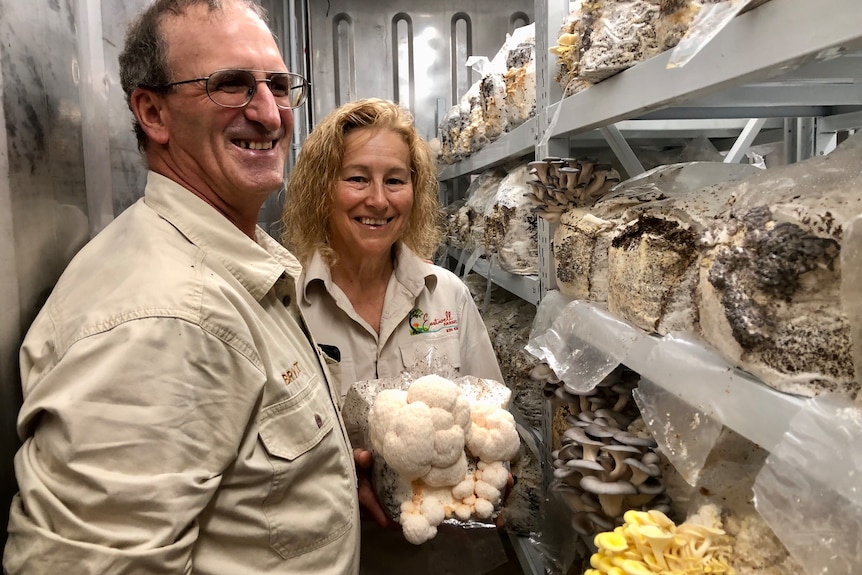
(291, 374)
(421, 323)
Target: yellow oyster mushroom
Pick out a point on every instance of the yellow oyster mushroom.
(632, 567)
(601, 562)
(568, 39)
(635, 517)
(611, 541)
(658, 540)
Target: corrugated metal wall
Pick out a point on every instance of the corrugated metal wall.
(408, 51)
(68, 162)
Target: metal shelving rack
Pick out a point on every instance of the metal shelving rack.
(787, 64)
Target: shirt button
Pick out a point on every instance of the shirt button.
(286, 300)
(318, 420)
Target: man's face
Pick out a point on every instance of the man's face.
(232, 157)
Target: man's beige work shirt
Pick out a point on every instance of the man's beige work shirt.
(426, 309)
(176, 417)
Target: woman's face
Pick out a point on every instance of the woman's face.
(373, 195)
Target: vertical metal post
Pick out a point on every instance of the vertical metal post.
(799, 139)
(547, 93)
(93, 92)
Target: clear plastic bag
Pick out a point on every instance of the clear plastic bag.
(672, 423)
(511, 228)
(707, 22)
(391, 487)
(809, 488)
(851, 297)
(580, 345)
(616, 36)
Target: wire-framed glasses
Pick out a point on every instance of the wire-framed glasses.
(236, 88)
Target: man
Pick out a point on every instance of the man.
(176, 417)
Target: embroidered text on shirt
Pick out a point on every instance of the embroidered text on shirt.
(292, 374)
(420, 323)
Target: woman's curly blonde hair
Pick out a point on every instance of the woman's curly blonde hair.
(308, 204)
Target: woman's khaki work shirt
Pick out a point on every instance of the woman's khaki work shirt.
(427, 310)
(176, 417)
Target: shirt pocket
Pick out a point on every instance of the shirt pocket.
(312, 497)
(444, 349)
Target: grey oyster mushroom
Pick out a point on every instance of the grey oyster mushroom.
(586, 466)
(607, 463)
(641, 471)
(589, 445)
(620, 454)
(562, 183)
(610, 493)
(600, 521)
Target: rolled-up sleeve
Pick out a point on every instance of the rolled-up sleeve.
(126, 435)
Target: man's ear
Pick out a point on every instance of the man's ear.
(147, 106)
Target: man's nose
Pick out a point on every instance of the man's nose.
(262, 108)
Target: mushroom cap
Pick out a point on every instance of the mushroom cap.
(585, 465)
(586, 415)
(630, 439)
(634, 567)
(564, 472)
(648, 469)
(616, 450)
(541, 372)
(611, 541)
(650, 458)
(577, 434)
(621, 419)
(595, 485)
(600, 521)
(599, 431)
(570, 451)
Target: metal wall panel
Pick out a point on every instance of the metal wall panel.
(68, 163)
(408, 51)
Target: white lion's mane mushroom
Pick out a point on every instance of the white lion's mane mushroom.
(493, 435)
(421, 434)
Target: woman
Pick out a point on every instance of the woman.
(362, 216)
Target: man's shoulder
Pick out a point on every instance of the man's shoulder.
(139, 266)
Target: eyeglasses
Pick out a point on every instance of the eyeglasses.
(236, 88)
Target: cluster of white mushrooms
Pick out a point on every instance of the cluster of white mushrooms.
(562, 183)
(606, 463)
(450, 455)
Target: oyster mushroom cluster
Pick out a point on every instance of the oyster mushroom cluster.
(562, 183)
(649, 542)
(607, 463)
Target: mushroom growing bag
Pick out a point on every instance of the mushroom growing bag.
(615, 36)
(808, 490)
(441, 446)
(511, 226)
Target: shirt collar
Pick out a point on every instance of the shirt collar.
(411, 271)
(256, 265)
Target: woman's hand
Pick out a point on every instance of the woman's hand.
(369, 506)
